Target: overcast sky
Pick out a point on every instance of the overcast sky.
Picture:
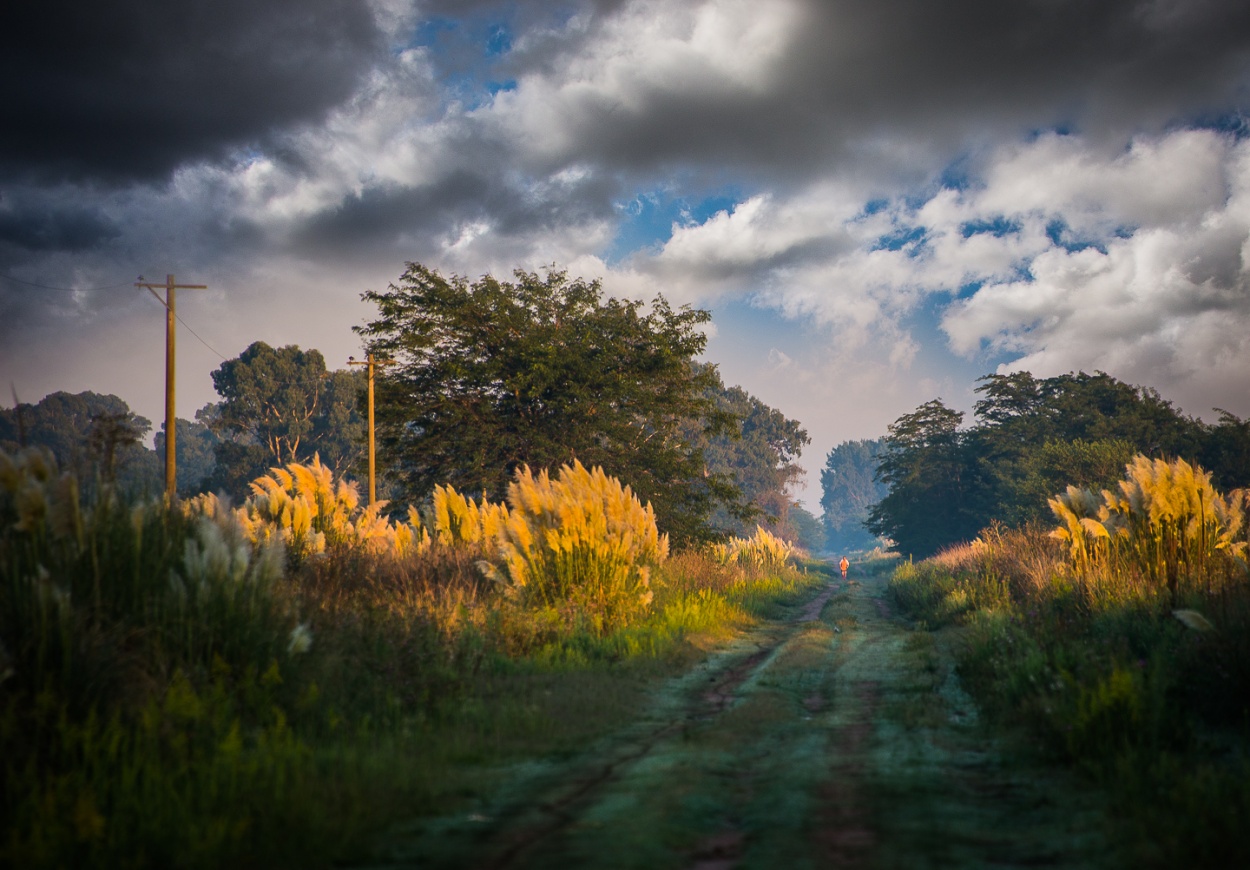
(879, 201)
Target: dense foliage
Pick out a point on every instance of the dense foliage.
(195, 452)
(187, 686)
(491, 376)
(849, 489)
(1118, 642)
(1031, 438)
(281, 405)
(95, 436)
(757, 454)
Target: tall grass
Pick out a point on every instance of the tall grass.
(1120, 642)
(1164, 528)
(762, 551)
(262, 685)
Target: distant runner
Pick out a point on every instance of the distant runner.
(844, 565)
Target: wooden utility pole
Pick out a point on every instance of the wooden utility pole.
(370, 362)
(171, 318)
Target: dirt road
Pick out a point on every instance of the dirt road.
(833, 737)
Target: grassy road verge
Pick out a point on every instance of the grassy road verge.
(828, 735)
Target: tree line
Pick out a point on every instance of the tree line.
(486, 377)
(1030, 438)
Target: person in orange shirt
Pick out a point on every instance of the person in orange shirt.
(844, 565)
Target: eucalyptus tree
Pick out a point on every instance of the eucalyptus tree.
(758, 454)
(281, 405)
(923, 464)
(91, 434)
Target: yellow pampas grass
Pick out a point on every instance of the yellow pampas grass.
(1164, 521)
(580, 540)
(763, 551)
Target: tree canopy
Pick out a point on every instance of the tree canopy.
(281, 405)
(849, 489)
(195, 457)
(757, 454)
(923, 464)
(1031, 438)
(93, 435)
(492, 375)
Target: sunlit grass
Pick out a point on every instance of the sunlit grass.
(201, 685)
(1121, 644)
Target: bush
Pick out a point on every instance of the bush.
(763, 551)
(581, 541)
(202, 686)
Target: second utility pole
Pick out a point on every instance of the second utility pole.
(370, 362)
(171, 426)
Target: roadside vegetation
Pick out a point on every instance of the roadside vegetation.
(1118, 640)
(266, 685)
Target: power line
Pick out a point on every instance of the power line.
(65, 289)
(171, 427)
(198, 337)
(202, 341)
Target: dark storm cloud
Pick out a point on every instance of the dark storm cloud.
(73, 228)
(1070, 60)
(380, 216)
(938, 74)
(130, 89)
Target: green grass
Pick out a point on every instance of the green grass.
(160, 707)
(1151, 711)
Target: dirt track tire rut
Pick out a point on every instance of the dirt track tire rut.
(838, 737)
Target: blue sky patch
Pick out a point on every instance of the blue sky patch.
(956, 176)
(647, 219)
(997, 227)
(875, 206)
(1056, 130)
(499, 41)
(902, 238)
(1233, 123)
(1062, 235)
(431, 30)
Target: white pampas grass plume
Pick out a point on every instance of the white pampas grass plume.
(301, 639)
(1194, 620)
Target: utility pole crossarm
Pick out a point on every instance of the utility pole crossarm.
(370, 362)
(171, 316)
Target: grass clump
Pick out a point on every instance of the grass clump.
(1120, 642)
(762, 551)
(580, 543)
(200, 685)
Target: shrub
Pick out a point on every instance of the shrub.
(581, 540)
(763, 551)
(1166, 527)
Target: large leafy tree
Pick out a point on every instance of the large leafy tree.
(492, 375)
(758, 455)
(1226, 451)
(849, 489)
(272, 395)
(924, 466)
(1032, 437)
(281, 405)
